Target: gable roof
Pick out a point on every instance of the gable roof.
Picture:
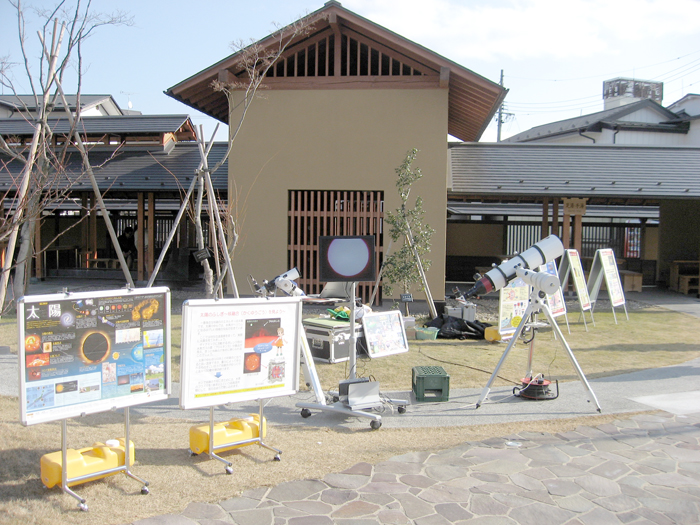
(382, 58)
(609, 118)
(105, 125)
(28, 102)
(601, 173)
(132, 170)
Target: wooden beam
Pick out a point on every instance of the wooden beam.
(444, 77)
(151, 260)
(141, 239)
(545, 217)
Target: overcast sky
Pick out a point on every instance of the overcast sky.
(555, 54)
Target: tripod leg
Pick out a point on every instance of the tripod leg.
(566, 346)
(518, 331)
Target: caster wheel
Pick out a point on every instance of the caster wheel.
(336, 399)
(192, 454)
(305, 412)
(402, 410)
(374, 425)
(229, 469)
(83, 507)
(278, 458)
(144, 491)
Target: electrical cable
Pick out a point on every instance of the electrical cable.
(463, 365)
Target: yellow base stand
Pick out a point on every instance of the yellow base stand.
(83, 462)
(492, 334)
(235, 433)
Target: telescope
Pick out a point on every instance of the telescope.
(538, 254)
(283, 282)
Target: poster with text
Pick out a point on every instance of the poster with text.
(612, 276)
(556, 303)
(513, 301)
(239, 350)
(83, 353)
(579, 279)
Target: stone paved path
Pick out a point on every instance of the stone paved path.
(639, 470)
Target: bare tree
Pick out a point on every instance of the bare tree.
(61, 35)
(241, 89)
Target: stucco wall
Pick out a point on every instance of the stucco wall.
(333, 140)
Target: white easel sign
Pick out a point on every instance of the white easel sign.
(239, 350)
(605, 267)
(512, 304)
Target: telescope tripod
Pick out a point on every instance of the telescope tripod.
(536, 305)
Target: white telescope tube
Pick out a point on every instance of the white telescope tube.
(543, 281)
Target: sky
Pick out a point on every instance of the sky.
(554, 54)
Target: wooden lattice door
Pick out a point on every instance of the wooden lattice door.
(315, 213)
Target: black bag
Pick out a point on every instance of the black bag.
(456, 328)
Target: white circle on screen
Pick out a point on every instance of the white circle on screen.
(348, 257)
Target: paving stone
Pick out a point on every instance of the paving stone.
(669, 479)
(383, 477)
(446, 472)
(384, 487)
(346, 481)
(310, 520)
(542, 496)
(417, 480)
(490, 477)
(412, 457)
(204, 511)
(483, 504)
(239, 504)
(414, 507)
(444, 494)
(598, 485)
(492, 520)
(502, 466)
(599, 516)
(396, 467)
(295, 490)
(655, 517)
(392, 517)
(337, 496)
(523, 480)
(252, 517)
(619, 503)
(310, 507)
(561, 487)
(575, 503)
(453, 512)
(511, 500)
(609, 428)
(546, 455)
(385, 500)
(574, 451)
(663, 492)
(361, 469)
(566, 471)
(286, 512)
(433, 519)
(214, 522)
(610, 469)
(355, 509)
(356, 521)
(586, 462)
(166, 519)
(539, 473)
(257, 493)
(538, 513)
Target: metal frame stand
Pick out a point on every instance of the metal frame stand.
(537, 304)
(312, 376)
(259, 440)
(82, 505)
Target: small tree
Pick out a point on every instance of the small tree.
(405, 267)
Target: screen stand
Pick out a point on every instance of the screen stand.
(537, 304)
(65, 480)
(311, 377)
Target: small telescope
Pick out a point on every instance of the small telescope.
(538, 254)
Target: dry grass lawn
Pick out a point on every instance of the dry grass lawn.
(651, 338)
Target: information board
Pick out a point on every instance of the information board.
(571, 265)
(237, 350)
(605, 267)
(513, 301)
(556, 303)
(83, 353)
(384, 333)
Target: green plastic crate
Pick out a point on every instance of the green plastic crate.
(430, 383)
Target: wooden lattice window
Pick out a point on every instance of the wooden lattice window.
(315, 213)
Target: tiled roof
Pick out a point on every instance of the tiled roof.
(114, 125)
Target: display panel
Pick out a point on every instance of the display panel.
(83, 353)
(384, 333)
(239, 350)
(347, 258)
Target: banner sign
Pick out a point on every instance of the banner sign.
(83, 353)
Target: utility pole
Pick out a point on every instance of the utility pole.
(500, 114)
